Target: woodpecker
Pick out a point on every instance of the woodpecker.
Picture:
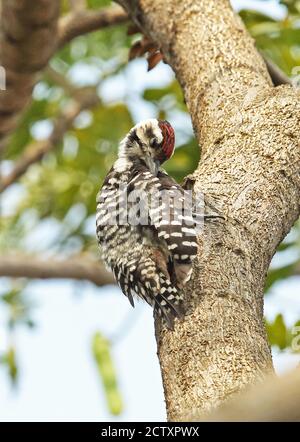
(152, 259)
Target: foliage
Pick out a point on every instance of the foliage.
(60, 190)
(277, 39)
(280, 335)
(8, 359)
(102, 354)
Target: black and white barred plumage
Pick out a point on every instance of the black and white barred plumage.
(152, 260)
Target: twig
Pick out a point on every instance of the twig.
(278, 77)
(60, 80)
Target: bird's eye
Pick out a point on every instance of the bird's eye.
(154, 142)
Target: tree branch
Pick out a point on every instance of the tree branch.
(61, 81)
(85, 21)
(86, 98)
(28, 40)
(76, 5)
(79, 268)
(278, 77)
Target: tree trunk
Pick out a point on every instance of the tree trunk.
(248, 131)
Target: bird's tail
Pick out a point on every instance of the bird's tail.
(167, 302)
(153, 285)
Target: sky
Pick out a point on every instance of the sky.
(58, 377)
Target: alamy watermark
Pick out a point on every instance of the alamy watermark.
(159, 207)
(296, 77)
(296, 340)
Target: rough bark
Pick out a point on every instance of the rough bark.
(249, 135)
(28, 38)
(78, 268)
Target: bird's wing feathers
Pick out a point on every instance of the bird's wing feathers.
(169, 214)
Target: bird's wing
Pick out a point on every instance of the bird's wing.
(169, 215)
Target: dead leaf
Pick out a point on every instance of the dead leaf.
(154, 59)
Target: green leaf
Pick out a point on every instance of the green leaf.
(277, 332)
(279, 40)
(275, 275)
(96, 4)
(281, 336)
(19, 307)
(159, 95)
(292, 5)
(102, 353)
(39, 110)
(284, 246)
(9, 359)
(251, 17)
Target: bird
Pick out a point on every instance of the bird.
(145, 237)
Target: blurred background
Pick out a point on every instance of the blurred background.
(74, 349)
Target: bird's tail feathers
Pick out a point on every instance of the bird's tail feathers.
(168, 302)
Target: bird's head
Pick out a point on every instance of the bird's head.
(151, 141)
